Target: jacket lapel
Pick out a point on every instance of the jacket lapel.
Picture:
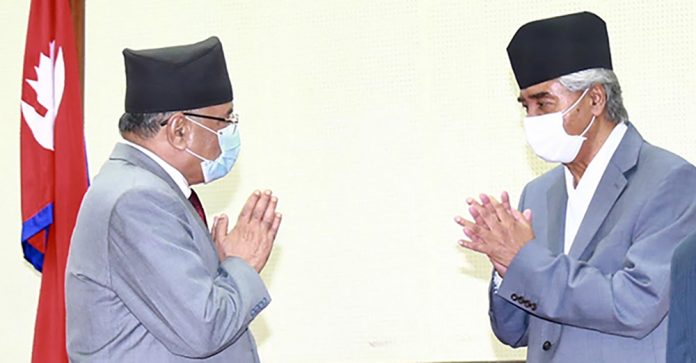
(610, 187)
(137, 158)
(556, 200)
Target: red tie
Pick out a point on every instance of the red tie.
(198, 206)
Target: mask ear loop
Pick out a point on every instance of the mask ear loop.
(201, 125)
(196, 155)
(576, 102)
(588, 126)
(206, 128)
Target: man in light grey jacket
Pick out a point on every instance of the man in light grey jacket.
(582, 273)
(146, 281)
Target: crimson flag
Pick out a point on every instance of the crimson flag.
(53, 162)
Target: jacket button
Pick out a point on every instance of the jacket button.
(534, 306)
(546, 346)
(514, 297)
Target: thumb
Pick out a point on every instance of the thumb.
(220, 228)
(527, 215)
(524, 217)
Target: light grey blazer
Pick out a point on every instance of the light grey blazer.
(143, 279)
(608, 299)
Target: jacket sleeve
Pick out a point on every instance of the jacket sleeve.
(157, 270)
(630, 302)
(681, 344)
(509, 322)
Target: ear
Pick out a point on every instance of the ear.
(178, 131)
(599, 99)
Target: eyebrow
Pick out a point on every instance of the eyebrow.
(535, 96)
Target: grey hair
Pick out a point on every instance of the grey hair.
(582, 80)
(144, 125)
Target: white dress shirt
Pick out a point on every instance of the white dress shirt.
(579, 197)
(173, 173)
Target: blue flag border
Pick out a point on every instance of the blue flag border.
(41, 221)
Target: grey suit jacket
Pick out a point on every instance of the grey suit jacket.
(681, 336)
(143, 279)
(608, 299)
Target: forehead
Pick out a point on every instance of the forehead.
(551, 88)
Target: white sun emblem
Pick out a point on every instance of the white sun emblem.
(49, 84)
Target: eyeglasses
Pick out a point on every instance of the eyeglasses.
(231, 119)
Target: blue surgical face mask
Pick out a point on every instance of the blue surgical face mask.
(228, 138)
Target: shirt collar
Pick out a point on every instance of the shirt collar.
(580, 197)
(173, 173)
(595, 170)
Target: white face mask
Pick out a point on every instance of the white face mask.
(548, 138)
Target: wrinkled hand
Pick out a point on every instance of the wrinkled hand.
(498, 231)
(252, 237)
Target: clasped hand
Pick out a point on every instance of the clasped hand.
(252, 237)
(498, 230)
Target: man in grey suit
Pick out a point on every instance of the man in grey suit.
(146, 281)
(582, 273)
(681, 335)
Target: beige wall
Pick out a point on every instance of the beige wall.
(373, 121)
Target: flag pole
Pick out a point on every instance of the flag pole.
(77, 8)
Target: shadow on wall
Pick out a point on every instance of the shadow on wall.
(537, 165)
(475, 259)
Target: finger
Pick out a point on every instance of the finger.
(487, 211)
(477, 234)
(220, 228)
(245, 214)
(212, 229)
(501, 211)
(524, 218)
(474, 237)
(477, 247)
(476, 231)
(465, 222)
(275, 226)
(505, 200)
(261, 205)
(477, 217)
(474, 208)
(270, 213)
